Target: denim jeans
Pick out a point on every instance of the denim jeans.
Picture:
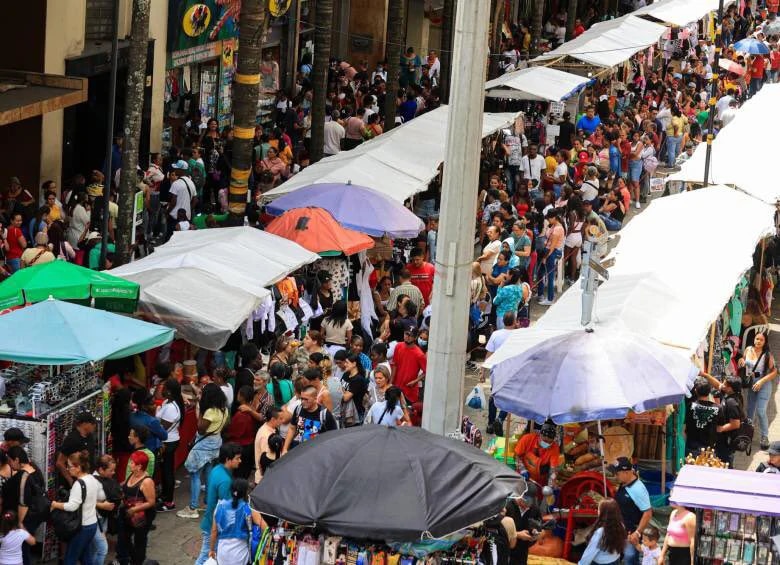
(493, 410)
(80, 546)
(755, 85)
(630, 555)
(611, 223)
(672, 148)
(757, 403)
(548, 275)
(512, 174)
(13, 265)
(195, 484)
(204, 548)
(99, 546)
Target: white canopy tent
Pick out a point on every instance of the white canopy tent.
(675, 268)
(748, 139)
(399, 163)
(205, 283)
(679, 12)
(536, 83)
(609, 43)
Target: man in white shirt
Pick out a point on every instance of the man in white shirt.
(181, 193)
(729, 113)
(497, 339)
(533, 164)
(723, 103)
(334, 133)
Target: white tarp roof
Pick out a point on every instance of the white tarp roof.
(676, 266)
(751, 137)
(538, 83)
(399, 163)
(679, 12)
(609, 43)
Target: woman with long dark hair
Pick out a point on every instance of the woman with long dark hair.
(212, 413)
(59, 245)
(231, 528)
(388, 412)
(336, 327)
(607, 538)
(30, 497)
(280, 388)
(170, 415)
(355, 385)
(760, 370)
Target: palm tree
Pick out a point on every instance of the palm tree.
(324, 19)
(136, 82)
(253, 25)
(393, 49)
(571, 17)
(447, 27)
(536, 26)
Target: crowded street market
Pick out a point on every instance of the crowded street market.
(474, 282)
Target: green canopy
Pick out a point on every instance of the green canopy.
(66, 281)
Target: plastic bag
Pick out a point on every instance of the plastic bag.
(210, 561)
(476, 399)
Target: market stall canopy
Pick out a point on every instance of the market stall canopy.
(580, 376)
(749, 138)
(53, 332)
(727, 489)
(669, 281)
(399, 163)
(383, 483)
(537, 83)
(679, 12)
(355, 207)
(67, 281)
(609, 43)
(316, 230)
(202, 309)
(242, 257)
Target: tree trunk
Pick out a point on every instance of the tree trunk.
(393, 50)
(571, 16)
(447, 29)
(495, 39)
(136, 82)
(252, 27)
(322, 39)
(536, 26)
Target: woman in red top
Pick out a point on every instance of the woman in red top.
(756, 73)
(16, 244)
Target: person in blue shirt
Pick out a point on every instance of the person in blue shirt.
(219, 488)
(356, 347)
(607, 539)
(144, 416)
(408, 109)
(232, 525)
(589, 121)
(635, 507)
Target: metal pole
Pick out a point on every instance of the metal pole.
(587, 281)
(451, 290)
(110, 133)
(713, 94)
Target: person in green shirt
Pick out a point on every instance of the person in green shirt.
(137, 437)
(93, 258)
(197, 169)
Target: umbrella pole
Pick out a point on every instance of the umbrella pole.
(712, 347)
(506, 438)
(663, 460)
(603, 463)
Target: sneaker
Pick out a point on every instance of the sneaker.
(177, 484)
(638, 205)
(764, 443)
(489, 428)
(166, 507)
(188, 513)
(545, 302)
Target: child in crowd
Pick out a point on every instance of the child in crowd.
(649, 546)
(11, 539)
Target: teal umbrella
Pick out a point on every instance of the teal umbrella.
(53, 332)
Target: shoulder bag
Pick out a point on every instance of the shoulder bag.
(67, 524)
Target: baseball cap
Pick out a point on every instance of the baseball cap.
(412, 331)
(15, 434)
(181, 165)
(548, 429)
(621, 464)
(15, 180)
(774, 447)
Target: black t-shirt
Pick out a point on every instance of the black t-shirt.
(74, 442)
(309, 425)
(358, 386)
(564, 136)
(33, 499)
(729, 410)
(11, 492)
(520, 551)
(701, 418)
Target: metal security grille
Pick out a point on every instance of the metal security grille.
(100, 14)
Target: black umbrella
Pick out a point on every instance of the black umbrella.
(375, 482)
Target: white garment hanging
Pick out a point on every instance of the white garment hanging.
(288, 317)
(367, 309)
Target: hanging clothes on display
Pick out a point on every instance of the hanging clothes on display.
(339, 273)
(367, 309)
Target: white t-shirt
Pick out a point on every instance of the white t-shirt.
(11, 547)
(334, 133)
(289, 407)
(589, 191)
(487, 264)
(561, 170)
(497, 339)
(532, 168)
(382, 417)
(228, 390)
(183, 189)
(169, 411)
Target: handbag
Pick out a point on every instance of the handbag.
(66, 523)
(137, 520)
(747, 377)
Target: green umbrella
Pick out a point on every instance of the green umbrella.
(66, 281)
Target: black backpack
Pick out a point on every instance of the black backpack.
(67, 524)
(742, 440)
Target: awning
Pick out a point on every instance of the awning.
(399, 163)
(679, 12)
(749, 138)
(26, 95)
(669, 281)
(609, 43)
(536, 83)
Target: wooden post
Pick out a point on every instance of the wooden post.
(663, 459)
(506, 438)
(712, 348)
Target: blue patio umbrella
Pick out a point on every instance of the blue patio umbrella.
(588, 375)
(53, 332)
(355, 207)
(751, 46)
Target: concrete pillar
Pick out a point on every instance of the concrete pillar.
(158, 30)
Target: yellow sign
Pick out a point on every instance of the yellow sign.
(196, 20)
(278, 8)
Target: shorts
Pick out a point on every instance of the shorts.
(635, 170)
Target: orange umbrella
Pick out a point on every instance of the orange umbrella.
(316, 230)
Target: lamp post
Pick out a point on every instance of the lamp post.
(713, 94)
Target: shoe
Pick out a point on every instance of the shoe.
(498, 428)
(188, 513)
(177, 484)
(638, 205)
(166, 507)
(489, 429)
(764, 443)
(545, 302)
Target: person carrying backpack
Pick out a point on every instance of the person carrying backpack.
(730, 419)
(33, 504)
(308, 420)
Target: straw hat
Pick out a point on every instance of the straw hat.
(618, 442)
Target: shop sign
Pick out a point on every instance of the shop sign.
(199, 22)
(195, 54)
(278, 8)
(138, 214)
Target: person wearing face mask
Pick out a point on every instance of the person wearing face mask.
(379, 72)
(537, 453)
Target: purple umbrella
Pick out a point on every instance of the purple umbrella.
(354, 207)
